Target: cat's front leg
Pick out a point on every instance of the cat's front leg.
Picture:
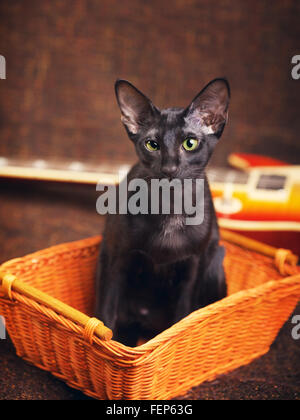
(204, 284)
(185, 301)
(110, 281)
(211, 285)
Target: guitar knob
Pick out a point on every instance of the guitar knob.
(227, 205)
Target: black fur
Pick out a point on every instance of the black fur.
(155, 269)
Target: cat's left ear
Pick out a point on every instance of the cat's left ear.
(209, 109)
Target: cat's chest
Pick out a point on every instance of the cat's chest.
(171, 234)
(172, 225)
(166, 239)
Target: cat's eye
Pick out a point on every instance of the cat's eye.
(190, 144)
(152, 145)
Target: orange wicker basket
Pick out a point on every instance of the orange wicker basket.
(47, 297)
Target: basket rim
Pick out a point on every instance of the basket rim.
(227, 236)
(60, 249)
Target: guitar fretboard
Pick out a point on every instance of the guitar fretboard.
(111, 173)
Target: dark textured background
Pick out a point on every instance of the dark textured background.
(64, 56)
(58, 101)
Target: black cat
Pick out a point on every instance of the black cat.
(154, 268)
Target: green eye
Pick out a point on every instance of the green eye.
(152, 145)
(190, 144)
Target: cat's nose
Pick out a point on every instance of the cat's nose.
(169, 169)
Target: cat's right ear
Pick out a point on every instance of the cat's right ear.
(136, 109)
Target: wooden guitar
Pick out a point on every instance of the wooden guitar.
(262, 202)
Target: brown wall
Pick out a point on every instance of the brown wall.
(64, 56)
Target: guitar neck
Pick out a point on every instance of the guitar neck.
(111, 173)
(63, 171)
(88, 173)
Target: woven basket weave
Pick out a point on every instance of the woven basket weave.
(47, 298)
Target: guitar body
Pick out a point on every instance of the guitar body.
(260, 200)
(262, 203)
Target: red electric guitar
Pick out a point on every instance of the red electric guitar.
(262, 201)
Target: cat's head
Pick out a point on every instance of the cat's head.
(174, 142)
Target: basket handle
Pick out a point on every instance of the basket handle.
(280, 255)
(91, 325)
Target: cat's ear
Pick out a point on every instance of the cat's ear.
(136, 109)
(209, 109)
